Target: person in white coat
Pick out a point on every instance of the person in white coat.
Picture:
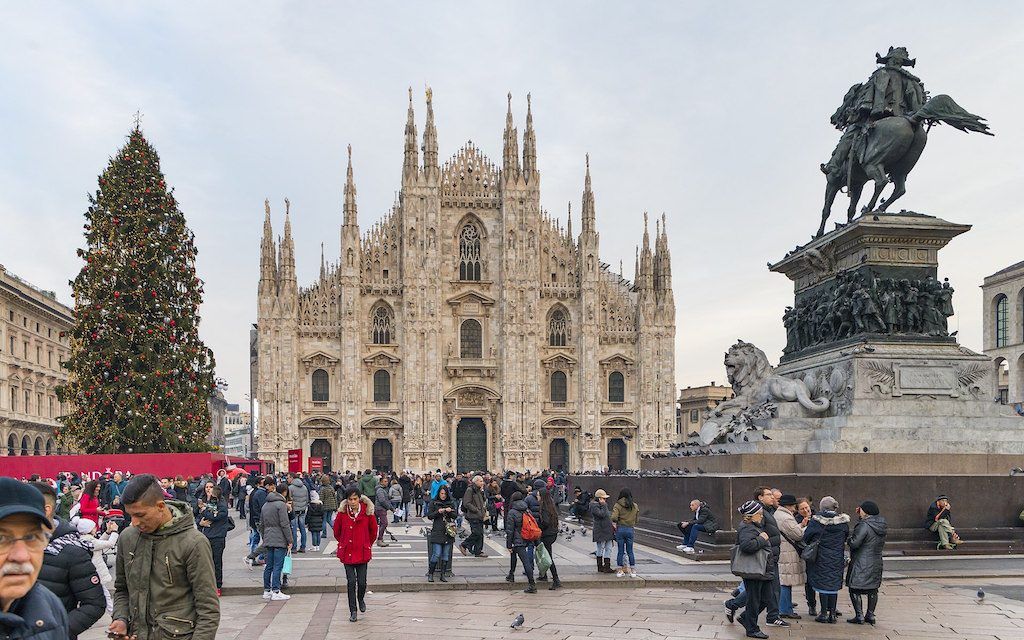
(106, 542)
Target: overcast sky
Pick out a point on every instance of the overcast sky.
(714, 113)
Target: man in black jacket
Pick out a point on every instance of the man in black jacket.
(68, 570)
(256, 500)
(474, 505)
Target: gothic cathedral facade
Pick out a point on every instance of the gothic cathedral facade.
(466, 330)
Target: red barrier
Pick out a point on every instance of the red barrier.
(94, 466)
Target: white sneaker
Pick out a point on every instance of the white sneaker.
(267, 595)
(681, 547)
(277, 595)
(619, 573)
(632, 574)
(687, 549)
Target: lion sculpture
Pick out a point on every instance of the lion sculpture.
(755, 385)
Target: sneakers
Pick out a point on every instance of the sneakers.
(681, 547)
(620, 573)
(480, 555)
(247, 561)
(779, 622)
(316, 547)
(730, 614)
(632, 573)
(277, 595)
(463, 550)
(688, 550)
(267, 595)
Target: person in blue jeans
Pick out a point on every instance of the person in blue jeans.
(276, 531)
(625, 514)
(703, 521)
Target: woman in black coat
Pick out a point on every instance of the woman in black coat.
(829, 529)
(211, 513)
(865, 574)
(514, 542)
(549, 533)
(441, 537)
(751, 538)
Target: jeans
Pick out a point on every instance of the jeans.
(524, 554)
(316, 538)
(217, 547)
(328, 524)
(406, 507)
(254, 540)
(624, 538)
(440, 551)
(355, 574)
(690, 533)
(475, 542)
(272, 570)
(299, 524)
(604, 549)
(786, 600)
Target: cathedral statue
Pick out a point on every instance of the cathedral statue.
(884, 123)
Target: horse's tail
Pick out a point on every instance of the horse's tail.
(942, 108)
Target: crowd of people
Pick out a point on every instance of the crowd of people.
(150, 551)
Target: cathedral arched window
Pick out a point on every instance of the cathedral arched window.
(381, 386)
(558, 328)
(382, 323)
(616, 387)
(469, 252)
(321, 386)
(1002, 321)
(559, 386)
(471, 344)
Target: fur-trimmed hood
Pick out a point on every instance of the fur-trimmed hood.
(831, 517)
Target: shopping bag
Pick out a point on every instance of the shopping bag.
(543, 558)
(287, 569)
(750, 565)
(399, 512)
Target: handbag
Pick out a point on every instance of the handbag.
(286, 569)
(450, 530)
(752, 566)
(543, 558)
(810, 552)
(399, 512)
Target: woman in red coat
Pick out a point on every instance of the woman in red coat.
(89, 503)
(355, 529)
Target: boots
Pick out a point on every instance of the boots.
(511, 577)
(869, 617)
(532, 588)
(600, 564)
(858, 608)
(443, 570)
(608, 566)
(430, 571)
(826, 611)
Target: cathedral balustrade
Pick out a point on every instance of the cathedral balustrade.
(616, 407)
(458, 367)
(381, 408)
(308, 406)
(558, 407)
(559, 290)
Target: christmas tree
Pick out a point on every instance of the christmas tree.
(139, 376)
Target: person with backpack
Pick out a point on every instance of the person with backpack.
(520, 525)
(442, 533)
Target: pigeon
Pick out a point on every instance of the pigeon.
(765, 436)
(1014, 471)
(981, 595)
(865, 449)
(686, 470)
(518, 622)
(700, 471)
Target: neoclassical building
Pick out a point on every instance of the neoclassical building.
(466, 329)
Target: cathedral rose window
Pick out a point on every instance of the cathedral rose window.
(382, 325)
(469, 253)
(558, 329)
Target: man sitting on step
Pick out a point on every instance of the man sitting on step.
(940, 520)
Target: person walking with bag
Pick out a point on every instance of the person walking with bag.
(603, 534)
(865, 572)
(752, 540)
(516, 543)
(276, 533)
(355, 529)
(548, 534)
(625, 514)
(825, 537)
(441, 538)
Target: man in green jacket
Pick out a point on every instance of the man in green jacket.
(368, 484)
(164, 584)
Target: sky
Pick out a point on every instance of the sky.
(714, 113)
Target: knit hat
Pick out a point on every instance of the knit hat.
(85, 526)
(314, 496)
(942, 497)
(750, 507)
(787, 500)
(828, 503)
(869, 508)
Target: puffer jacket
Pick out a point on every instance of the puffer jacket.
(275, 525)
(164, 585)
(623, 516)
(328, 497)
(602, 522)
(68, 572)
(355, 536)
(791, 565)
(395, 494)
(315, 517)
(381, 499)
(866, 546)
(299, 494)
(38, 615)
(217, 515)
(368, 485)
(830, 529)
(439, 530)
(513, 524)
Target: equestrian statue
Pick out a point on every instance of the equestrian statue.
(885, 123)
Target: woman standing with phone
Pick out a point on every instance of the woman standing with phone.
(211, 515)
(442, 533)
(355, 529)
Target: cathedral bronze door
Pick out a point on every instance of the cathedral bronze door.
(558, 455)
(321, 449)
(616, 454)
(470, 445)
(382, 454)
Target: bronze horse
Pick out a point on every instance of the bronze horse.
(892, 147)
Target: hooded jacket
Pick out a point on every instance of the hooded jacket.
(38, 615)
(299, 494)
(830, 529)
(474, 505)
(602, 522)
(164, 585)
(68, 572)
(368, 485)
(275, 525)
(217, 515)
(355, 536)
(624, 516)
(439, 530)
(866, 546)
(514, 524)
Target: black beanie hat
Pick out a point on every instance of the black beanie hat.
(869, 508)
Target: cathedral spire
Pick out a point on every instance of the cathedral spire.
(268, 263)
(664, 261)
(646, 280)
(323, 265)
(529, 143)
(411, 153)
(588, 202)
(430, 136)
(351, 214)
(287, 252)
(510, 165)
(568, 224)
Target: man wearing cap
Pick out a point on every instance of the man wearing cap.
(791, 566)
(68, 571)
(940, 520)
(27, 609)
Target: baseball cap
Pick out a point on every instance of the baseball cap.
(19, 497)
